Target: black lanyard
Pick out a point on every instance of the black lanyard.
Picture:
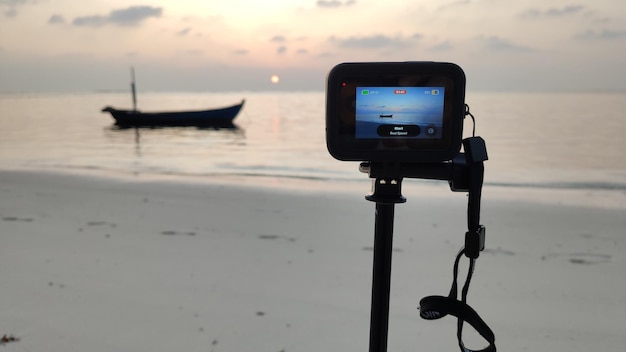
(436, 307)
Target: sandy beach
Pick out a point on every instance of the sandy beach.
(107, 264)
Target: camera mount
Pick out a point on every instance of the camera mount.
(464, 173)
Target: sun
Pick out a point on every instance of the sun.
(274, 79)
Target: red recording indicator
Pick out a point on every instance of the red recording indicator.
(399, 91)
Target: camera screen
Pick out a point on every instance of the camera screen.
(395, 111)
(399, 112)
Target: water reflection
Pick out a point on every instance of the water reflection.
(173, 140)
(218, 127)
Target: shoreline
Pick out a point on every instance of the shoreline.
(412, 189)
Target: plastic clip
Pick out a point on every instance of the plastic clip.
(474, 242)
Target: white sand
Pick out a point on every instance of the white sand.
(96, 264)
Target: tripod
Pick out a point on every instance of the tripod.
(464, 174)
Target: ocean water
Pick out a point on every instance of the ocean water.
(534, 140)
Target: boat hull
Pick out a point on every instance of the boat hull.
(214, 117)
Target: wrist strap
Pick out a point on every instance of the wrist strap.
(436, 307)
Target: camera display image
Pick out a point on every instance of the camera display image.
(399, 112)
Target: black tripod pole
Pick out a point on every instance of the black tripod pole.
(381, 277)
(386, 194)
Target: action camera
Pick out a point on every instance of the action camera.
(395, 111)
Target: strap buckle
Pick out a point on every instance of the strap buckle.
(475, 242)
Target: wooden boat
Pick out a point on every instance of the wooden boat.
(220, 117)
(213, 117)
(386, 116)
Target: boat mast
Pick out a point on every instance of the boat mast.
(132, 87)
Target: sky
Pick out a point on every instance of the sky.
(238, 45)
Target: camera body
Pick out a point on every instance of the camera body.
(395, 111)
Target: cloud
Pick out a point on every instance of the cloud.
(12, 6)
(278, 39)
(329, 4)
(325, 55)
(93, 21)
(302, 51)
(183, 32)
(495, 43)
(601, 35)
(241, 52)
(444, 46)
(130, 16)
(281, 49)
(56, 19)
(191, 52)
(374, 41)
(552, 12)
(365, 42)
(453, 4)
(134, 14)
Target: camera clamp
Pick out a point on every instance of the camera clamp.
(464, 174)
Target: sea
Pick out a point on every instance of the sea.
(535, 141)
